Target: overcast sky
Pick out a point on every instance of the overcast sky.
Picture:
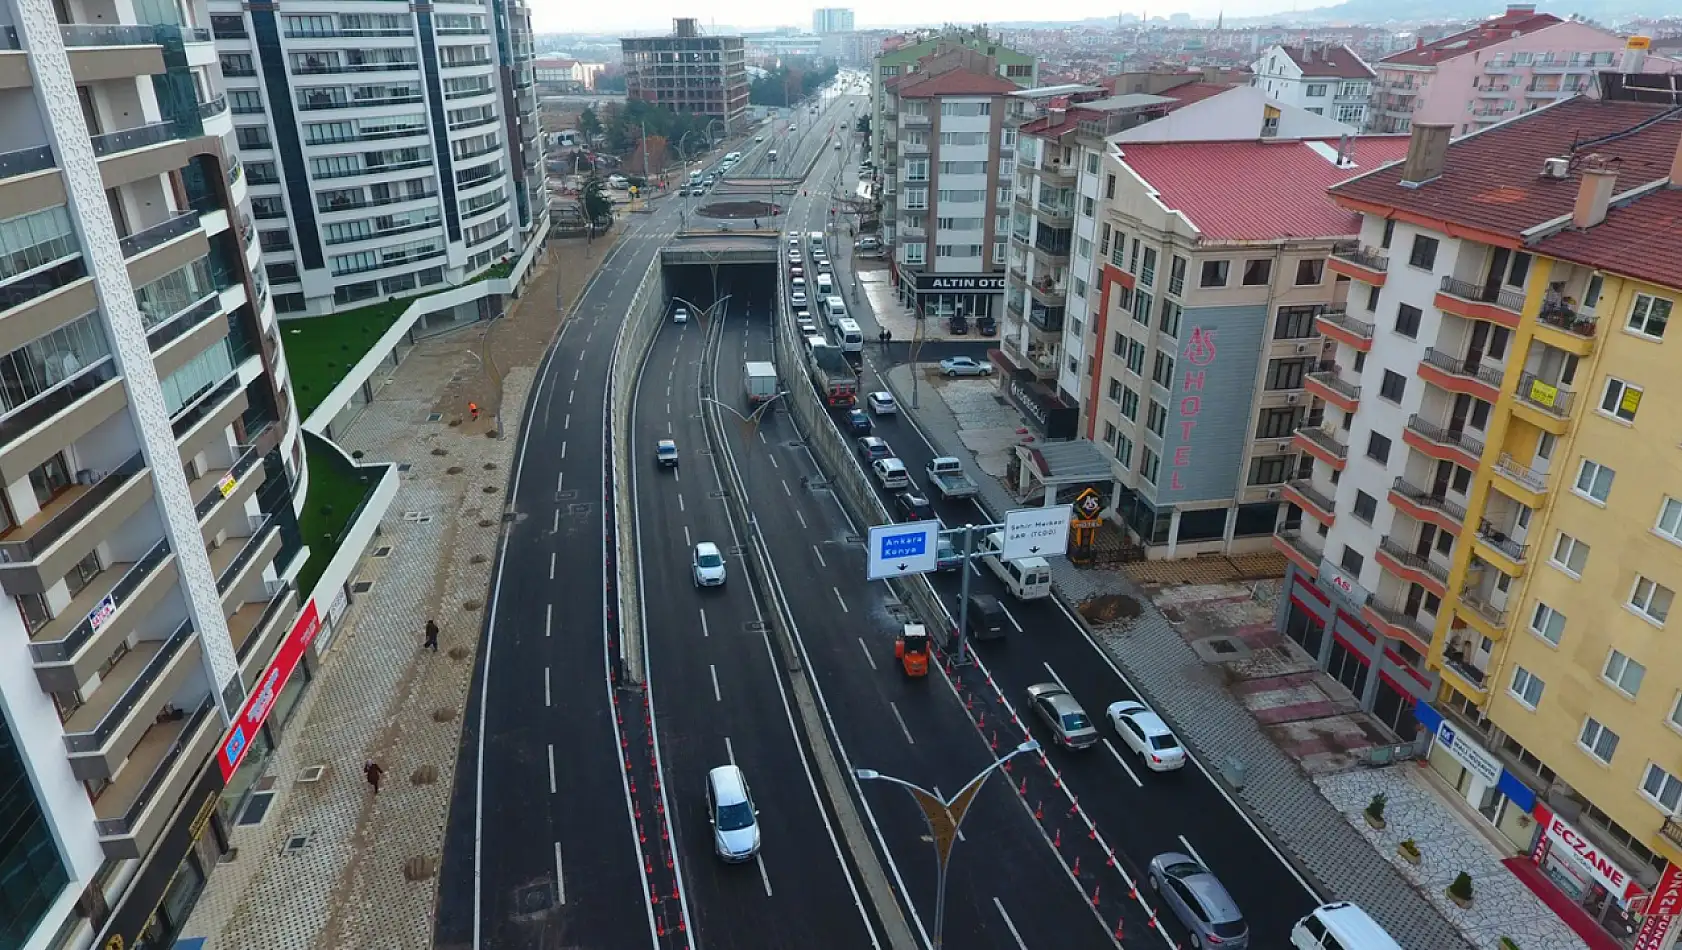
(654, 16)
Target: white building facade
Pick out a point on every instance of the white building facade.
(1328, 80)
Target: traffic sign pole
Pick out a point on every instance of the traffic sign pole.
(963, 591)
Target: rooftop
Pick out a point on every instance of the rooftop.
(1195, 92)
(1624, 243)
(1259, 190)
(1320, 60)
(956, 82)
(1492, 182)
(1517, 21)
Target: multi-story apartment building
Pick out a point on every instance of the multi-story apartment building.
(827, 20)
(1325, 79)
(152, 461)
(388, 152)
(907, 53)
(946, 192)
(1204, 349)
(691, 72)
(1507, 65)
(1493, 514)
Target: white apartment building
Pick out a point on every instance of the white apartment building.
(827, 20)
(152, 465)
(1322, 78)
(388, 152)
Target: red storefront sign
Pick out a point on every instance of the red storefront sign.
(261, 701)
(1558, 833)
(1662, 908)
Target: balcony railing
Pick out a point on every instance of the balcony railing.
(1299, 543)
(113, 827)
(1442, 436)
(317, 103)
(214, 107)
(280, 596)
(61, 651)
(1497, 539)
(1362, 256)
(328, 207)
(1548, 397)
(1324, 440)
(332, 69)
(250, 454)
(25, 160)
(1397, 618)
(1483, 608)
(60, 522)
(173, 328)
(1466, 290)
(204, 406)
(1330, 379)
(44, 406)
(142, 241)
(1341, 318)
(1459, 367)
(1312, 495)
(1561, 316)
(1671, 830)
(126, 140)
(1522, 474)
(1411, 560)
(1454, 657)
(91, 740)
(1425, 499)
(81, 34)
(249, 548)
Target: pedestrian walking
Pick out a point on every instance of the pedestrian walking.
(473, 410)
(431, 636)
(374, 773)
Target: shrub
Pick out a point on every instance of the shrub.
(1462, 886)
(1375, 808)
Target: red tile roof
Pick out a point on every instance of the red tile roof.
(1514, 22)
(957, 82)
(1630, 241)
(1339, 62)
(1195, 92)
(1492, 180)
(1257, 190)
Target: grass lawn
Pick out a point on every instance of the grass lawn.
(336, 489)
(321, 350)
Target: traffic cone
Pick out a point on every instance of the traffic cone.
(1076, 869)
(1057, 839)
(1024, 789)
(1118, 928)
(1039, 812)
(1074, 806)
(995, 742)
(1095, 889)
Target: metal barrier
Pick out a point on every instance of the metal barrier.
(630, 349)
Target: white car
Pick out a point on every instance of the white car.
(807, 326)
(1147, 735)
(882, 403)
(891, 473)
(680, 315)
(708, 565)
(964, 366)
(797, 298)
(759, 138)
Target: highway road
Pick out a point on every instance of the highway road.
(541, 847)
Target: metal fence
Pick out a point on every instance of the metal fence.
(636, 338)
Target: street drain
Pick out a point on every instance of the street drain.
(854, 539)
(578, 510)
(383, 550)
(721, 493)
(756, 626)
(405, 466)
(312, 774)
(295, 843)
(361, 587)
(534, 899)
(257, 808)
(434, 417)
(1222, 645)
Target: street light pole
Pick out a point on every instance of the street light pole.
(944, 817)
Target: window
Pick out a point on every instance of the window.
(1594, 481)
(1389, 233)
(1649, 316)
(252, 136)
(1109, 433)
(1130, 404)
(1294, 323)
(1149, 465)
(1597, 740)
(1169, 321)
(1378, 448)
(1351, 561)
(1651, 599)
(1286, 374)
(1156, 418)
(1115, 390)
(1087, 206)
(1142, 307)
(1315, 89)
(1124, 451)
(1214, 274)
(1527, 687)
(1670, 519)
(1162, 371)
(1547, 623)
(1177, 276)
(1424, 253)
(1147, 270)
(1570, 555)
(1407, 320)
(1136, 357)
(1366, 507)
(1279, 423)
(1393, 386)
(1104, 240)
(1372, 299)
(1623, 673)
(1310, 273)
(1269, 469)
(1663, 788)
(1257, 272)
(1621, 399)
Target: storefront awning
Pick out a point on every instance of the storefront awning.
(1068, 463)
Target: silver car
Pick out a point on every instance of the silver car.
(1200, 901)
(1068, 721)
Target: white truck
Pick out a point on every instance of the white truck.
(946, 478)
(760, 381)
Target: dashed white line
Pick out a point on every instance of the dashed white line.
(571, 395)
(801, 518)
(546, 697)
(1123, 763)
(729, 751)
(1009, 924)
(548, 610)
(902, 727)
(551, 768)
(563, 449)
(686, 542)
(1192, 851)
(773, 461)
(819, 554)
(555, 527)
(551, 565)
(764, 877)
(560, 875)
(560, 481)
(567, 422)
(840, 600)
(867, 657)
(714, 671)
(1009, 617)
(680, 508)
(762, 436)
(704, 624)
(785, 488)
(668, 427)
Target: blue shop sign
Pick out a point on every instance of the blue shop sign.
(1469, 753)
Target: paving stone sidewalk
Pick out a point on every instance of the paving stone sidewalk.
(365, 876)
(1276, 794)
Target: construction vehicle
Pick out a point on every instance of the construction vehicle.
(911, 649)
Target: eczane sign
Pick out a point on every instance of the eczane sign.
(1561, 834)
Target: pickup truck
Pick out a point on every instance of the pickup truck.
(946, 477)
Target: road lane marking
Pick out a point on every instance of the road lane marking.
(763, 876)
(819, 556)
(560, 481)
(801, 517)
(668, 427)
(867, 657)
(1123, 763)
(680, 508)
(1009, 924)
(1192, 851)
(975, 566)
(773, 460)
(729, 751)
(902, 727)
(549, 609)
(560, 876)
(762, 438)
(704, 624)
(1009, 617)
(546, 697)
(567, 422)
(686, 542)
(571, 395)
(840, 600)
(714, 670)
(556, 526)
(563, 448)
(577, 371)
(551, 565)
(785, 488)
(551, 768)
(668, 408)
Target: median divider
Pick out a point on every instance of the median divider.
(630, 350)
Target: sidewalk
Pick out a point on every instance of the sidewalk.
(331, 865)
(1173, 678)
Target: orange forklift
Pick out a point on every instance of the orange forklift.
(911, 649)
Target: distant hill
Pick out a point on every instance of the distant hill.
(1441, 11)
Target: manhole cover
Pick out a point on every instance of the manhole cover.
(567, 495)
(1109, 608)
(312, 774)
(434, 417)
(1222, 645)
(256, 809)
(534, 899)
(361, 587)
(296, 843)
(578, 510)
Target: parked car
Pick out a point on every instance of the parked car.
(1068, 721)
(987, 326)
(964, 366)
(957, 325)
(1200, 901)
(1147, 735)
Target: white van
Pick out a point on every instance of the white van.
(835, 309)
(733, 157)
(1026, 578)
(852, 338)
(695, 177)
(826, 285)
(1341, 926)
(814, 240)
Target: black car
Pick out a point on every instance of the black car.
(986, 326)
(958, 325)
(913, 507)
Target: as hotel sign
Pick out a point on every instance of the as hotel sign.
(255, 712)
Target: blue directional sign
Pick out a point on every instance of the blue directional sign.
(899, 550)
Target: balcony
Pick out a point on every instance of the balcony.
(1671, 830)
(1543, 404)
(39, 552)
(64, 413)
(103, 730)
(912, 120)
(140, 242)
(1465, 676)
(219, 488)
(234, 560)
(1049, 293)
(71, 647)
(912, 148)
(1057, 215)
(1296, 547)
(1494, 90)
(258, 626)
(1523, 483)
(1039, 360)
(1328, 384)
(134, 809)
(127, 140)
(911, 232)
(1494, 546)
(1485, 617)
(213, 108)
(1046, 320)
(25, 161)
(1340, 326)
(1055, 254)
(1397, 625)
(1323, 445)
(1461, 376)
(1477, 302)
(1422, 505)
(1302, 493)
(1412, 568)
(1562, 327)
(1359, 263)
(1452, 445)
(1057, 173)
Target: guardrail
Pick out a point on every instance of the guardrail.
(630, 349)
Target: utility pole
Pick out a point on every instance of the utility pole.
(647, 171)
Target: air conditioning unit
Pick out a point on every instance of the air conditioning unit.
(1291, 400)
(1557, 168)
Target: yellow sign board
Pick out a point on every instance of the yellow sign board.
(1631, 401)
(227, 485)
(1638, 42)
(1543, 394)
